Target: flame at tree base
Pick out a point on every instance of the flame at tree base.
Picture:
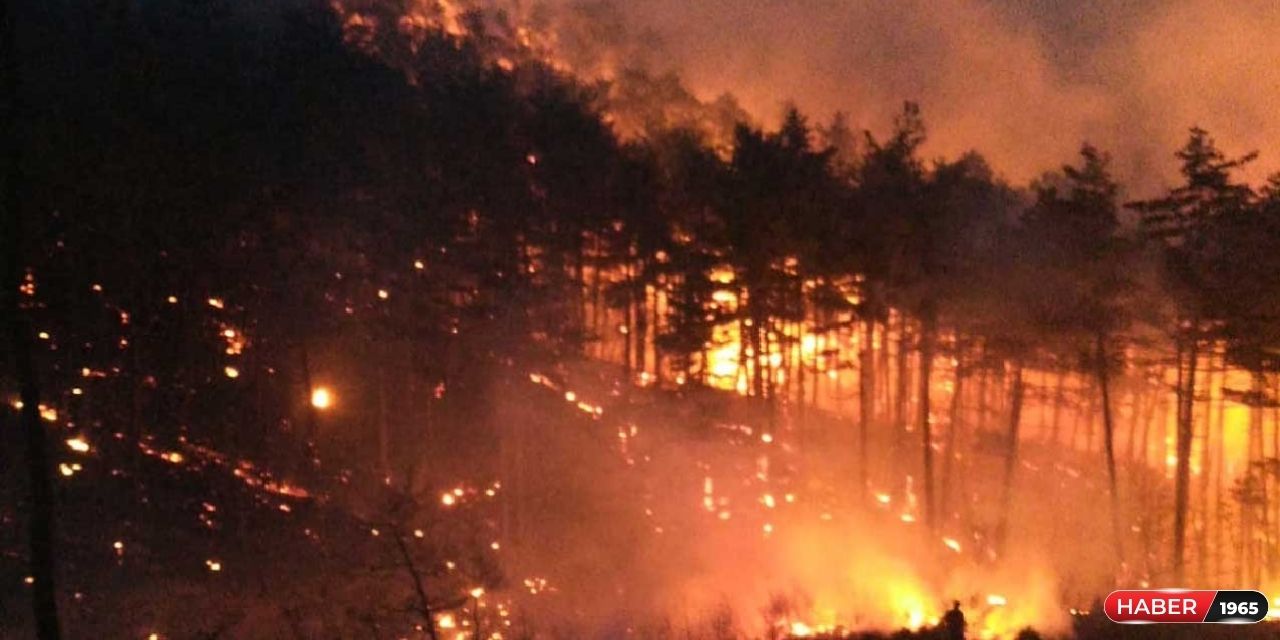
(826, 581)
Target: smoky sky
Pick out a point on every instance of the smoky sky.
(1024, 83)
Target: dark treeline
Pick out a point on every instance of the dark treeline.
(344, 190)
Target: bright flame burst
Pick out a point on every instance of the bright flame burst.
(321, 398)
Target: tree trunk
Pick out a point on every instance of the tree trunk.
(1091, 420)
(311, 413)
(642, 325)
(1135, 412)
(1161, 423)
(596, 304)
(883, 390)
(1059, 395)
(419, 586)
(628, 327)
(903, 383)
(1273, 561)
(1186, 400)
(922, 412)
(1255, 451)
(983, 406)
(1103, 370)
(655, 321)
(1011, 452)
(953, 428)
(1219, 539)
(866, 398)
(1206, 469)
(40, 526)
(384, 430)
(758, 356)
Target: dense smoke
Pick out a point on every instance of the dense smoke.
(1022, 83)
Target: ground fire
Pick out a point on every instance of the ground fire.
(486, 320)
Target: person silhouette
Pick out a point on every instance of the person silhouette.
(954, 622)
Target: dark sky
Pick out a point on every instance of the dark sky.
(1023, 82)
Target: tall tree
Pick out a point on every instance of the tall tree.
(13, 245)
(890, 181)
(1183, 223)
(1074, 225)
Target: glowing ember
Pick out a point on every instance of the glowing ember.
(78, 445)
(321, 398)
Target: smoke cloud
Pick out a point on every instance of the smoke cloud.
(1024, 83)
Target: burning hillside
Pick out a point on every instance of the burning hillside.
(430, 320)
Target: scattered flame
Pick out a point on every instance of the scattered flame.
(321, 398)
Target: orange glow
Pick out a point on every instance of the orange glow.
(321, 398)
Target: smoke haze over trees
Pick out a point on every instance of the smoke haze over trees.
(418, 319)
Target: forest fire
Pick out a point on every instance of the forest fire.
(455, 319)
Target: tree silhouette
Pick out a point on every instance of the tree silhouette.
(1185, 221)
